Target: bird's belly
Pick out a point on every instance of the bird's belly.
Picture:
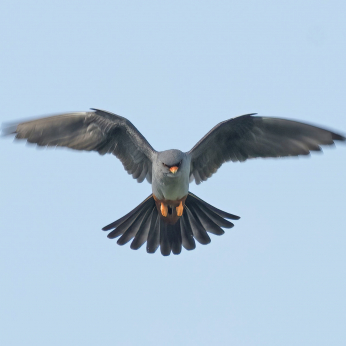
(174, 191)
(171, 188)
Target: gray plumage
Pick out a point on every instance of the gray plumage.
(100, 131)
(170, 171)
(248, 136)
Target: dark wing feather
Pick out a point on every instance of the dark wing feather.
(98, 130)
(248, 137)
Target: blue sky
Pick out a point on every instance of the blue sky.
(175, 70)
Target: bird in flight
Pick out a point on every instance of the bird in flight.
(172, 217)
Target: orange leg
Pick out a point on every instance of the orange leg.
(180, 209)
(164, 210)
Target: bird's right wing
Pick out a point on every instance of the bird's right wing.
(249, 136)
(97, 130)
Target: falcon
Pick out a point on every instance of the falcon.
(172, 217)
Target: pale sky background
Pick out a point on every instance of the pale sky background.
(175, 69)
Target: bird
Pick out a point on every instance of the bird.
(172, 217)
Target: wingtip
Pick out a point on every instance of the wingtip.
(100, 110)
(103, 111)
(246, 115)
(8, 130)
(337, 137)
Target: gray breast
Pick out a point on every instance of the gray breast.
(167, 185)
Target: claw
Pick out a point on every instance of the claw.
(180, 209)
(164, 210)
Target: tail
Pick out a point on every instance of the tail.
(144, 224)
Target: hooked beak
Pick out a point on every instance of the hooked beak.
(174, 169)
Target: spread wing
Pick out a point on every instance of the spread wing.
(249, 136)
(97, 130)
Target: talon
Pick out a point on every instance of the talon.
(164, 210)
(180, 209)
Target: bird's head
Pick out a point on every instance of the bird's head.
(171, 162)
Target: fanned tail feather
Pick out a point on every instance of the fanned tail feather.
(144, 224)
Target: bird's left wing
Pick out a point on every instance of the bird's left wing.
(249, 136)
(97, 130)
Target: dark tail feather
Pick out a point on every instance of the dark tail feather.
(199, 232)
(174, 234)
(211, 216)
(187, 238)
(153, 241)
(144, 224)
(210, 207)
(142, 234)
(116, 223)
(127, 224)
(135, 226)
(165, 244)
(206, 221)
(170, 238)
